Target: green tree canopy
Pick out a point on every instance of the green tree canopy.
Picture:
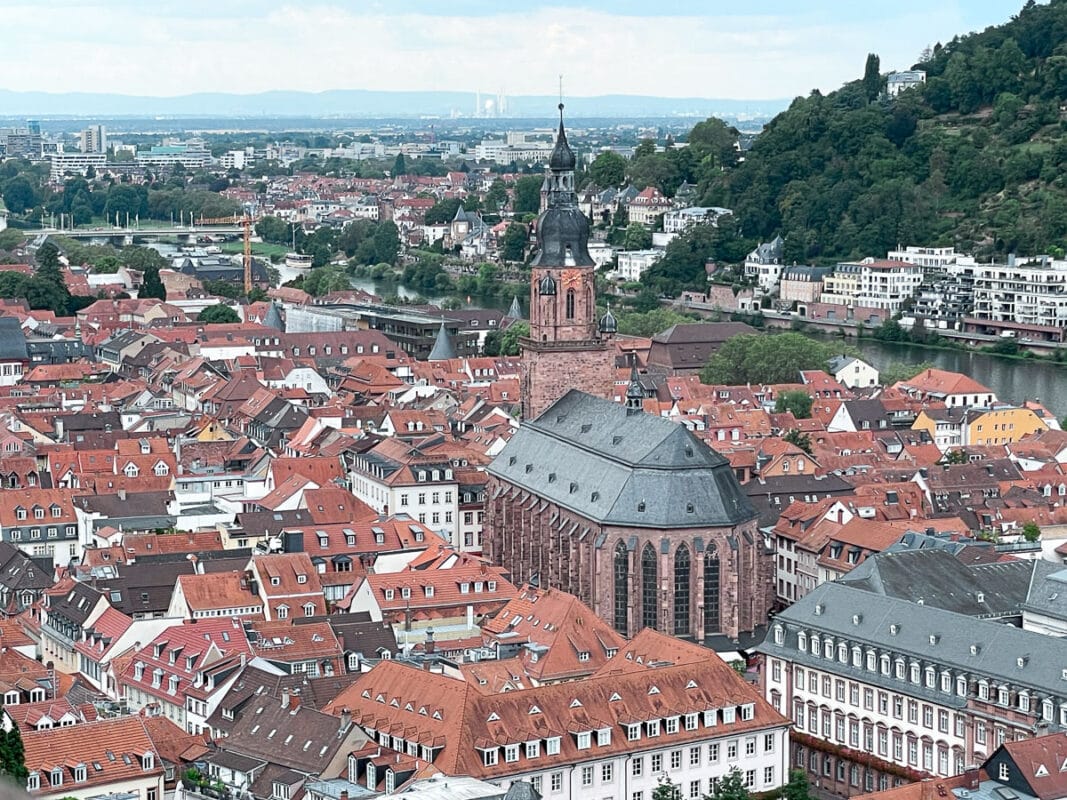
(798, 439)
(637, 237)
(798, 787)
(218, 314)
(151, 285)
(324, 280)
(1031, 531)
(608, 169)
(794, 401)
(766, 359)
(527, 195)
(19, 195)
(731, 787)
(386, 243)
(513, 243)
(509, 342)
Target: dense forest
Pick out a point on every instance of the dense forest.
(974, 158)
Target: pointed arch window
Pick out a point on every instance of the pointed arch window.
(649, 579)
(570, 304)
(712, 620)
(622, 589)
(682, 569)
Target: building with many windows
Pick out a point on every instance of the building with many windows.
(872, 284)
(658, 706)
(881, 688)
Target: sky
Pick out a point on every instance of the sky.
(759, 49)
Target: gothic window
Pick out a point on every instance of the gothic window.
(649, 578)
(622, 593)
(712, 623)
(681, 591)
(570, 304)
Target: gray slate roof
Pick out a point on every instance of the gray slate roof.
(859, 617)
(592, 457)
(1047, 593)
(442, 346)
(12, 340)
(939, 579)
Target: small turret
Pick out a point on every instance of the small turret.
(609, 326)
(442, 346)
(635, 392)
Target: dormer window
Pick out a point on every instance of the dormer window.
(55, 777)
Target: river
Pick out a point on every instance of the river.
(1013, 380)
(385, 288)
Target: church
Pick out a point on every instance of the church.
(632, 513)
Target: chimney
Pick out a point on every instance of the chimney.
(346, 722)
(430, 645)
(970, 776)
(285, 698)
(344, 794)
(122, 494)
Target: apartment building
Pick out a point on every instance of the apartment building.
(1031, 292)
(872, 284)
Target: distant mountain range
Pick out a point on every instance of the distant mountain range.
(360, 103)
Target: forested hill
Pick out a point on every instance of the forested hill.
(975, 158)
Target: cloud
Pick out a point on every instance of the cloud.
(170, 48)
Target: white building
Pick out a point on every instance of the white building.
(1030, 292)
(853, 372)
(395, 478)
(933, 259)
(765, 263)
(75, 164)
(897, 82)
(872, 284)
(679, 219)
(633, 263)
(905, 683)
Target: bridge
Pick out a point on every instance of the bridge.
(182, 232)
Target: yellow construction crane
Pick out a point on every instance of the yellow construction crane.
(244, 221)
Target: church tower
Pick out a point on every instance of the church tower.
(568, 347)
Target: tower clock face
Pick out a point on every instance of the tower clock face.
(571, 278)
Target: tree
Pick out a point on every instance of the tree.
(151, 285)
(442, 212)
(13, 755)
(324, 280)
(956, 456)
(1031, 531)
(872, 76)
(731, 787)
(19, 195)
(10, 238)
(527, 195)
(273, 229)
(513, 243)
(386, 242)
(637, 237)
(509, 342)
(608, 169)
(666, 790)
(798, 439)
(218, 314)
(400, 166)
(491, 345)
(795, 401)
(759, 358)
(798, 787)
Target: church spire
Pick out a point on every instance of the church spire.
(562, 229)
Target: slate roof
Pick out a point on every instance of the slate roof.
(1002, 653)
(442, 346)
(12, 340)
(1047, 592)
(941, 580)
(593, 457)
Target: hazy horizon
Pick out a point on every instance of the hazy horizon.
(772, 50)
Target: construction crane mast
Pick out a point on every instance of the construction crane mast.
(245, 222)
